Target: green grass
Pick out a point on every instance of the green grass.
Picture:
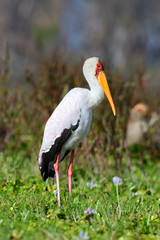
(29, 208)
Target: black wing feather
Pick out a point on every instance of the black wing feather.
(49, 158)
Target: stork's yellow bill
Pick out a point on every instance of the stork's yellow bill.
(104, 84)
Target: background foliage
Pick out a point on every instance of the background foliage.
(28, 206)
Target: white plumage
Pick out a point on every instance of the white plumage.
(70, 110)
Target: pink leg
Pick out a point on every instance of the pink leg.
(56, 168)
(70, 173)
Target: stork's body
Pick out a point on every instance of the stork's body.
(70, 122)
(78, 122)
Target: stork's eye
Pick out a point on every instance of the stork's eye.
(99, 67)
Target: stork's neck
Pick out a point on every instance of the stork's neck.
(96, 93)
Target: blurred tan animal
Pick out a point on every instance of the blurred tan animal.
(138, 125)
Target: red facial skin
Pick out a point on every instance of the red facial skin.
(99, 68)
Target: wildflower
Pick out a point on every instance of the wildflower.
(83, 235)
(117, 181)
(91, 184)
(90, 211)
(55, 192)
(133, 193)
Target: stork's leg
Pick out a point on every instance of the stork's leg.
(56, 168)
(70, 173)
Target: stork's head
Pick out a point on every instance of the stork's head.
(93, 69)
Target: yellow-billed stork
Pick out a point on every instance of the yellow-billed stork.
(70, 122)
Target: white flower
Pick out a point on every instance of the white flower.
(117, 181)
(83, 235)
(91, 184)
(55, 192)
(90, 211)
